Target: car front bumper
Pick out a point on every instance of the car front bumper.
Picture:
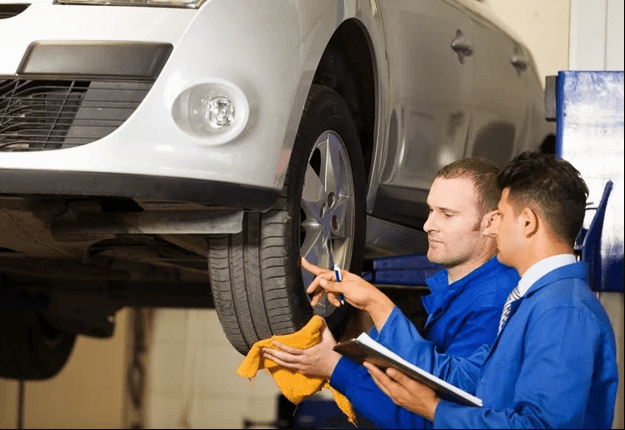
(223, 41)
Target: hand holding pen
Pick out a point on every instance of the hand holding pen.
(337, 275)
(342, 286)
(326, 282)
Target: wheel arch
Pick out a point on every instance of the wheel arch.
(348, 66)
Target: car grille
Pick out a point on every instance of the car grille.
(40, 114)
(11, 10)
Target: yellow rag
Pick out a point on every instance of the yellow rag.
(295, 386)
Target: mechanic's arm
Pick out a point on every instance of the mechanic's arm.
(358, 292)
(355, 382)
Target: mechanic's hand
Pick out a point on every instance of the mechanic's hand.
(405, 391)
(318, 360)
(357, 292)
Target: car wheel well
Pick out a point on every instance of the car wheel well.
(347, 67)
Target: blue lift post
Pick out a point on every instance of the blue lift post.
(590, 135)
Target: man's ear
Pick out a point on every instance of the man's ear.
(487, 222)
(529, 222)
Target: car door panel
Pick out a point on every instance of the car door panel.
(500, 116)
(430, 101)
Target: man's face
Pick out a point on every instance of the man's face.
(453, 226)
(507, 227)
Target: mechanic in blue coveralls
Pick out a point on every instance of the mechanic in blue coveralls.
(553, 364)
(466, 298)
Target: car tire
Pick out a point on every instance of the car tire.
(258, 286)
(31, 348)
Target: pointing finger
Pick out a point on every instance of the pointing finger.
(315, 270)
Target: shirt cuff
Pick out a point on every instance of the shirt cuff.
(444, 411)
(343, 374)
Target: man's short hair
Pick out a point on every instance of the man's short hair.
(552, 184)
(483, 174)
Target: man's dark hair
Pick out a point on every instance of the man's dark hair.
(483, 174)
(552, 184)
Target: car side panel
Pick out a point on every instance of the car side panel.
(430, 101)
(501, 116)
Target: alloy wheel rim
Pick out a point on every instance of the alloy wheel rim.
(327, 215)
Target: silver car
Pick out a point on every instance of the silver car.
(187, 152)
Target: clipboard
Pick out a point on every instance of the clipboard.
(365, 348)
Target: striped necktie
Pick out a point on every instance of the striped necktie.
(514, 295)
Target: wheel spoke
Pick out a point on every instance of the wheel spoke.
(336, 158)
(342, 251)
(314, 249)
(331, 171)
(316, 252)
(313, 195)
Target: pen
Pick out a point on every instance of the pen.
(337, 274)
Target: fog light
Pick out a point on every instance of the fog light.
(216, 111)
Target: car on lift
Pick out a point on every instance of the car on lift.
(148, 147)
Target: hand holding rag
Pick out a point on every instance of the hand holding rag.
(295, 386)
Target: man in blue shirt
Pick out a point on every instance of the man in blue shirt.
(553, 364)
(465, 301)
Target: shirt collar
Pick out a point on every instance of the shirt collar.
(442, 292)
(541, 268)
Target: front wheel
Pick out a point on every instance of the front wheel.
(258, 286)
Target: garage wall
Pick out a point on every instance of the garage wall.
(9, 397)
(596, 41)
(192, 380)
(88, 393)
(567, 34)
(544, 27)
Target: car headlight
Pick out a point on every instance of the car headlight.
(192, 4)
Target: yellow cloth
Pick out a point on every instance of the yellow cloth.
(295, 386)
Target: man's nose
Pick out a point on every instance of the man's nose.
(429, 224)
